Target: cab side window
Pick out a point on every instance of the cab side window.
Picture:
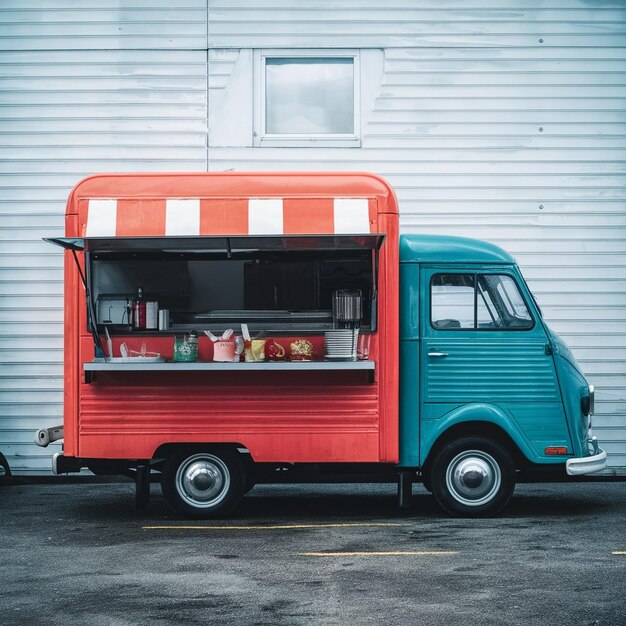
(477, 302)
(452, 301)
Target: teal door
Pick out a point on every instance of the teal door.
(409, 364)
(483, 344)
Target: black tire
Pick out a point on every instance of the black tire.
(472, 477)
(5, 470)
(203, 483)
(250, 484)
(251, 474)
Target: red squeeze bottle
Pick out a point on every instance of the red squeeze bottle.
(139, 310)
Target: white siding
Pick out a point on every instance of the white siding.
(415, 23)
(102, 25)
(65, 113)
(485, 132)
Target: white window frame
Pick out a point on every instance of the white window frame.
(322, 140)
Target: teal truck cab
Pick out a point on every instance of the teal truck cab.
(487, 390)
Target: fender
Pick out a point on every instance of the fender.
(431, 430)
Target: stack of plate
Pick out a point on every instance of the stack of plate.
(341, 344)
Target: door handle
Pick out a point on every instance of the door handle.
(438, 355)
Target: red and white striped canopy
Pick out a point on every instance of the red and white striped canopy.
(158, 217)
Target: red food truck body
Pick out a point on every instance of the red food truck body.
(283, 412)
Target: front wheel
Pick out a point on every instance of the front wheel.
(203, 483)
(473, 477)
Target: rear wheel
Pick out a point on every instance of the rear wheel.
(473, 477)
(5, 470)
(203, 483)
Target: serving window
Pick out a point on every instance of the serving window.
(275, 284)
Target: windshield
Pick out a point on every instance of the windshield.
(532, 295)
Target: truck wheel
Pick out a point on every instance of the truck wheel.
(203, 483)
(250, 485)
(5, 470)
(473, 477)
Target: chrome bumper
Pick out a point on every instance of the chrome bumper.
(55, 463)
(587, 464)
(62, 464)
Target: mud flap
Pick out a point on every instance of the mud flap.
(142, 485)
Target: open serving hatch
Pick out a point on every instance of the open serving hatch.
(273, 282)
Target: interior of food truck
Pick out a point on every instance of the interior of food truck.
(278, 284)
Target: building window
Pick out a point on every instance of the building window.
(305, 98)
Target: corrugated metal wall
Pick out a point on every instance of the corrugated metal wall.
(502, 120)
(499, 120)
(84, 88)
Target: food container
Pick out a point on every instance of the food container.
(224, 351)
(186, 348)
(275, 350)
(301, 350)
(227, 348)
(255, 351)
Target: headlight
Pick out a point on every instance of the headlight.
(587, 403)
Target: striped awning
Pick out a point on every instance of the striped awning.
(184, 217)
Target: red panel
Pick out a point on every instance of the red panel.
(143, 408)
(273, 446)
(373, 212)
(140, 218)
(224, 216)
(388, 309)
(71, 346)
(303, 216)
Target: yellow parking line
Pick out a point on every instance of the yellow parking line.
(272, 527)
(392, 553)
(619, 552)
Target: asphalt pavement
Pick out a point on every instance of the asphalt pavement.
(78, 554)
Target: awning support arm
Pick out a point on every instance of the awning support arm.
(374, 312)
(80, 270)
(90, 306)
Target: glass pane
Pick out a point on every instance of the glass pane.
(507, 299)
(309, 96)
(486, 312)
(452, 301)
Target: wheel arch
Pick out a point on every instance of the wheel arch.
(166, 449)
(480, 422)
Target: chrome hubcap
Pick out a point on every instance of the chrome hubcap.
(473, 477)
(203, 480)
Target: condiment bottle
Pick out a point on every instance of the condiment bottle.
(139, 310)
(152, 315)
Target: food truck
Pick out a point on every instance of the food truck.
(223, 329)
